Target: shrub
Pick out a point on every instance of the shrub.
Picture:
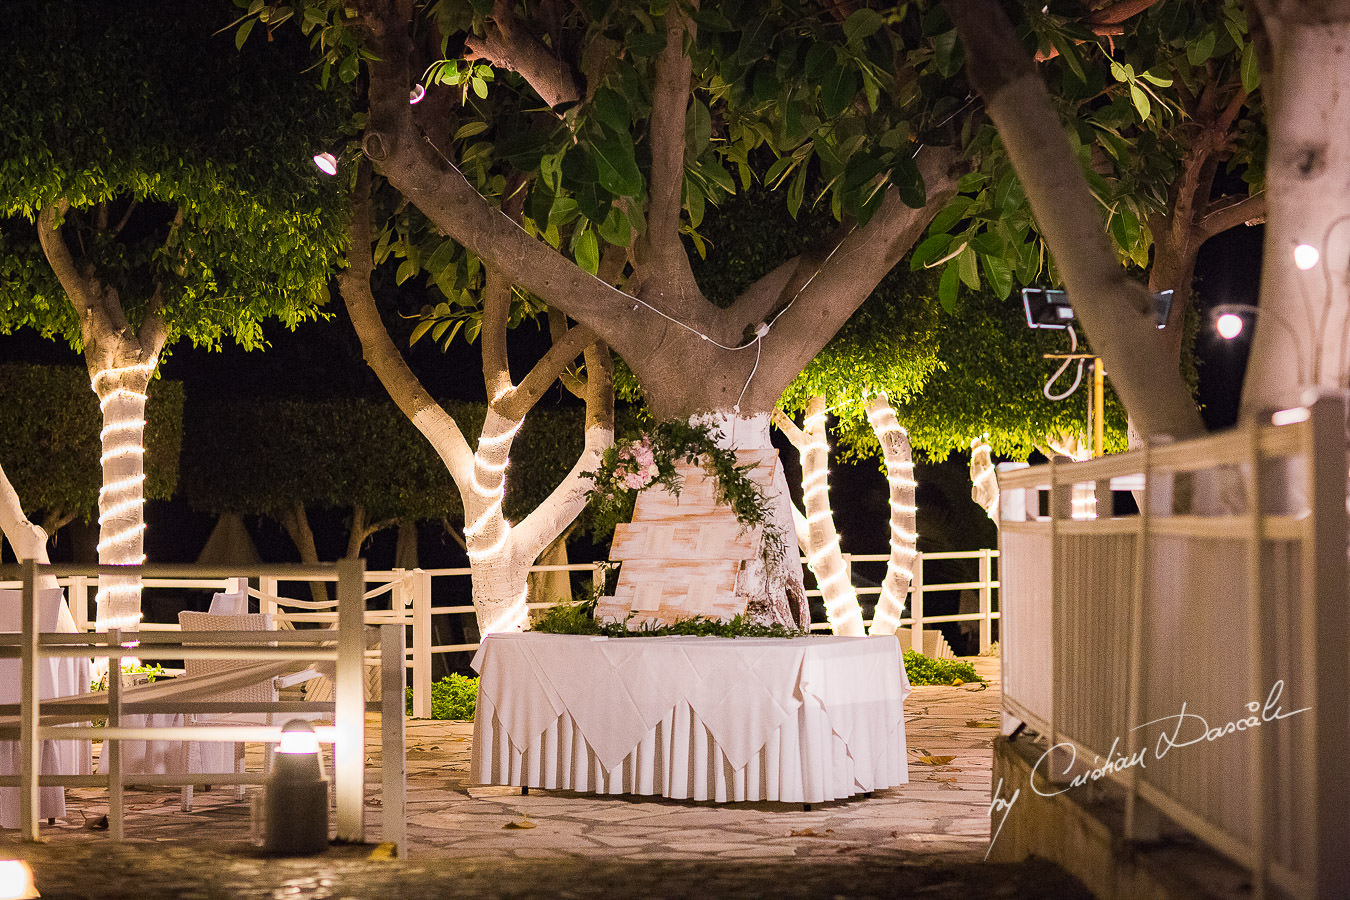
(926, 670)
(453, 697)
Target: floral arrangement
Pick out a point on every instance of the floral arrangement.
(632, 466)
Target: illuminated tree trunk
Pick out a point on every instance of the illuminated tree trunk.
(1303, 332)
(816, 531)
(500, 552)
(121, 360)
(895, 451)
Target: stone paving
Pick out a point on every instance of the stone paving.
(926, 838)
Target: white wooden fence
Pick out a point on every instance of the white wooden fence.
(345, 646)
(411, 591)
(1197, 653)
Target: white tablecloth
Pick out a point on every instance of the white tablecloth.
(803, 720)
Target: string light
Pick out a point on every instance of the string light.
(895, 586)
(121, 499)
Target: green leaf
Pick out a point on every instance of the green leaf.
(1251, 68)
(697, 130)
(1201, 49)
(422, 328)
(479, 87)
(711, 20)
(586, 250)
(646, 43)
(862, 24)
(550, 170)
(929, 249)
(837, 90)
(947, 288)
(242, 34)
(948, 53)
(1140, 102)
(969, 272)
(347, 70)
(616, 165)
(611, 110)
(952, 213)
(999, 274)
(406, 270)
(615, 229)
(819, 60)
(796, 190)
(470, 129)
(908, 181)
(1069, 53)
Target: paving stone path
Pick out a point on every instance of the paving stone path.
(927, 838)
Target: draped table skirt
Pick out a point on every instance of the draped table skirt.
(804, 721)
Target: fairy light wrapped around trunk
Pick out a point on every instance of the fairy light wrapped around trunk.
(983, 478)
(904, 545)
(121, 392)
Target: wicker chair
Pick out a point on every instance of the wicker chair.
(199, 758)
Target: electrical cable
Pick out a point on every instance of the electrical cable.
(1078, 379)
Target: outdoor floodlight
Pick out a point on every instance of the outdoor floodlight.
(416, 94)
(326, 162)
(1050, 308)
(295, 795)
(1306, 256)
(16, 880)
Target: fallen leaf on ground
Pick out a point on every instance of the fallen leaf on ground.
(805, 832)
(941, 780)
(99, 824)
(384, 851)
(935, 760)
(523, 823)
(974, 723)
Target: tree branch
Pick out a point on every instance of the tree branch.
(519, 402)
(783, 422)
(383, 357)
(1230, 213)
(663, 261)
(509, 45)
(423, 175)
(1116, 313)
(496, 315)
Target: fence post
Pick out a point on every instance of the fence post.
(916, 605)
(1327, 668)
(78, 595)
(267, 589)
(349, 712)
(421, 681)
(393, 750)
(29, 705)
(986, 599)
(598, 577)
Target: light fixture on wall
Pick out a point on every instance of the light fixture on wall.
(1306, 256)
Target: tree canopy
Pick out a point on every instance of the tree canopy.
(185, 165)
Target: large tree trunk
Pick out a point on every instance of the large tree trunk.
(121, 360)
(1116, 312)
(1303, 330)
(817, 534)
(904, 543)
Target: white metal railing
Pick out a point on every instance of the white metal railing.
(916, 621)
(345, 646)
(1198, 652)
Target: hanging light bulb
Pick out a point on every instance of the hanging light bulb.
(1229, 326)
(326, 162)
(1306, 256)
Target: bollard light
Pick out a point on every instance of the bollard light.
(16, 880)
(295, 795)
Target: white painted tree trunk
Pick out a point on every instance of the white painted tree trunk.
(121, 500)
(816, 531)
(1302, 334)
(28, 540)
(904, 546)
(775, 593)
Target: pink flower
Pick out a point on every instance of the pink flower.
(634, 481)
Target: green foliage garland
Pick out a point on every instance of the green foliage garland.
(632, 466)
